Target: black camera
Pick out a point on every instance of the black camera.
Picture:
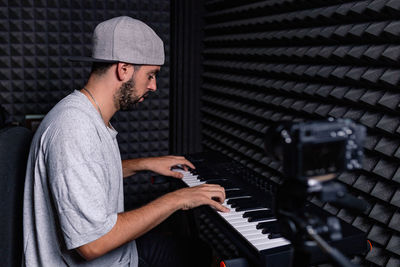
(316, 148)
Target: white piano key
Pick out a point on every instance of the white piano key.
(237, 221)
(244, 224)
(265, 240)
(259, 236)
(275, 242)
(192, 184)
(232, 217)
(254, 235)
(249, 231)
(232, 213)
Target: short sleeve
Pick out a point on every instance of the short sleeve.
(78, 179)
(82, 204)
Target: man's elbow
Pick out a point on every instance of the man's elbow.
(89, 252)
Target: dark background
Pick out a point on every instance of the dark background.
(232, 68)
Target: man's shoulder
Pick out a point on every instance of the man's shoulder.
(70, 117)
(73, 109)
(72, 105)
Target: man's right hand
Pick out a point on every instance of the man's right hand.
(134, 223)
(205, 194)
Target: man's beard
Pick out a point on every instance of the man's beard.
(126, 97)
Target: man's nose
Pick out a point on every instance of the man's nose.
(152, 85)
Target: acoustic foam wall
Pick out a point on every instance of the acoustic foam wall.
(37, 36)
(267, 61)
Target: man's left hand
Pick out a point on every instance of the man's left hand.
(163, 165)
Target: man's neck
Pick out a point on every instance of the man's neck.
(101, 95)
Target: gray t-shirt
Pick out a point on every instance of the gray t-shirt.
(73, 188)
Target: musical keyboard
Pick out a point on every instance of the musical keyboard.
(251, 224)
(247, 216)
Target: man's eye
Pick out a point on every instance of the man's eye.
(151, 77)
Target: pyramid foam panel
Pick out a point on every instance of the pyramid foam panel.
(267, 61)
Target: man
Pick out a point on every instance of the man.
(73, 200)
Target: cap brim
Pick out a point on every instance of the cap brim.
(90, 59)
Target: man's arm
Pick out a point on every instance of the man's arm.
(132, 224)
(160, 165)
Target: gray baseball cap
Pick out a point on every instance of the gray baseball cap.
(124, 39)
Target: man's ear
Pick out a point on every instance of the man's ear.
(123, 70)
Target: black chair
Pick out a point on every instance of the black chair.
(14, 149)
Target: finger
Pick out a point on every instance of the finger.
(223, 193)
(213, 191)
(185, 163)
(218, 196)
(220, 190)
(175, 157)
(175, 174)
(213, 185)
(218, 206)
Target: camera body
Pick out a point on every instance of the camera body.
(316, 148)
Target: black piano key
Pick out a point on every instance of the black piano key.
(257, 216)
(204, 172)
(272, 229)
(205, 178)
(225, 183)
(234, 202)
(248, 214)
(267, 225)
(249, 206)
(243, 204)
(268, 204)
(216, 175)
(234, 193)
(260, 218)
(274, 235)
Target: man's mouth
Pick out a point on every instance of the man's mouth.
(144, 96)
